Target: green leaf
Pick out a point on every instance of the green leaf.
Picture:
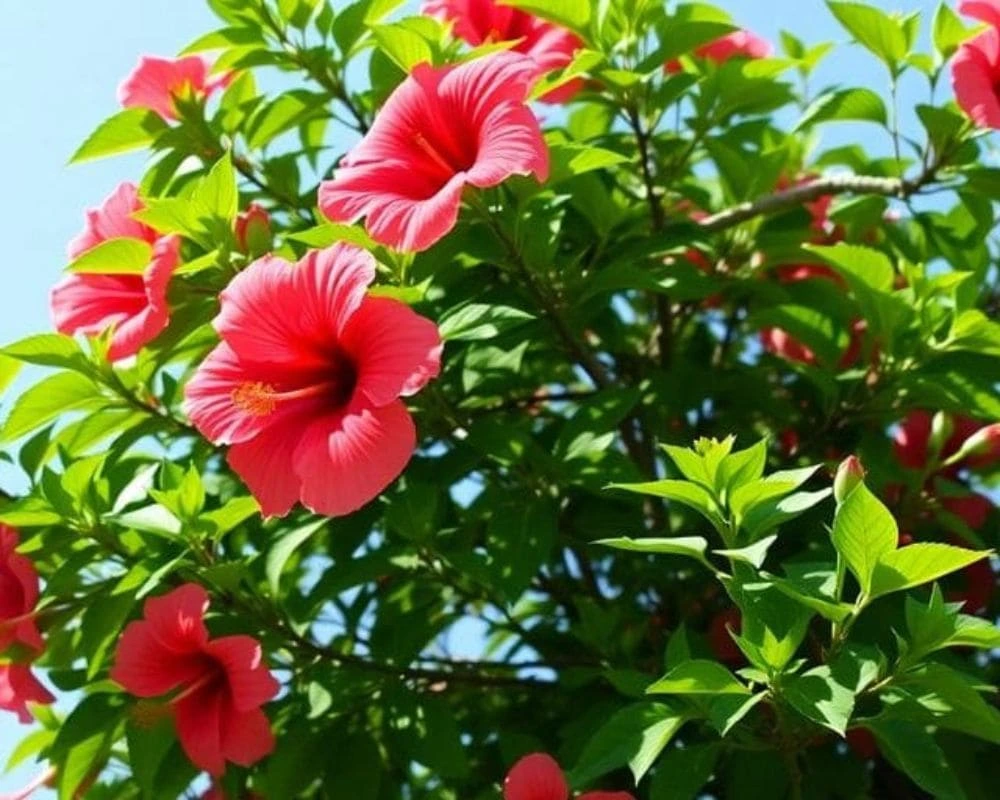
(217, 195)
(753, 554)
(101, 625)
(948, 31)
(846, 105)
(742, 467)
(692, 546)
(572, 14)
(913, 751)
(330, 233)
(813, 589)
(873, 29)
(49, 350)
(919, 563)
(683, 771)
(818, 695)
(952, 699)
(477, 321)
(635, 736)
(115, 257)
(688, 494)
(148, 745)
(569, 160)
(46, 400)
(727, 710)
(127, 130)
(863, 533)
(698, 677)
(520, 537)
(860, 265)
(281, 551)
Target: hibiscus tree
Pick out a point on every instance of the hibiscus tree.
(519, 399)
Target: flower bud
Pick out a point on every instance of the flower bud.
(984, 442)
(942, 428)
(849, 474)
(253, 231)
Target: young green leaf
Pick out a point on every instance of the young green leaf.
(863, 532)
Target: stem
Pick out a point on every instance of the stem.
(797, 195)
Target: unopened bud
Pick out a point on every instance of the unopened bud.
(983, 445)
(849, 474)
(253, 231)
(942, 428)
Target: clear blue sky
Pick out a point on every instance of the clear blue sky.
(59, 66)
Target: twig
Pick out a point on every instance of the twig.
(797, 195)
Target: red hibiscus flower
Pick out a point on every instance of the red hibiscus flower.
(538, 777)
(307, 381)
(18, 595)
(156, 83)
(738, 44)
(720, 641)
(442, 129)
(18, 687)
(979, 583)
(482, 21)
(135, 306)
(219, 684)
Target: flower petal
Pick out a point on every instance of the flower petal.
(199, 727)
(145, 668)
(395, 351)
(133, 333)
(510, 144)
(112, 220)
(974, 73)
(250, 683)
(176, 619)
(346, 460)
(535, 777)
(246, 737)
(265, 465)
(274, 313)
(18, 687)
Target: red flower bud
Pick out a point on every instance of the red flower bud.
(849, 474)
(253, 231)
(983, 447)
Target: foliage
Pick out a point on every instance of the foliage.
(696, 267)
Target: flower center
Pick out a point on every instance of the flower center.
(260, 399)
(443, 157)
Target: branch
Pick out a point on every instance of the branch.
(900, 188)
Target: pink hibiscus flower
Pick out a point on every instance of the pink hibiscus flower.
(156, 83)
(306, 383)
(538, 777)
(18, 687)
(134, 305)
(975, 75)
(442, 129)
(738, 44)
(483, 21)
(220, 684)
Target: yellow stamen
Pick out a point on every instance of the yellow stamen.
(258, 399)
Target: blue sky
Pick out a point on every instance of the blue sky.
(59, 67)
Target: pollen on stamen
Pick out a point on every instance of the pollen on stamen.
(255, 398)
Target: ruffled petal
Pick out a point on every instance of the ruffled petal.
(344, 461)
(510, 144)
(250, 683)
(973, 78)
(474, 88)
(112, 220)
(536, 777)
(89, 304)
(395, 351)
(133, 333)
(329, 286)
(987, 11)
